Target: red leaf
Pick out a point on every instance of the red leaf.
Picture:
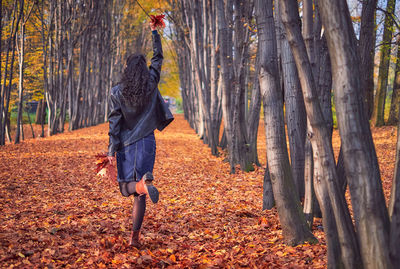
(158, 20)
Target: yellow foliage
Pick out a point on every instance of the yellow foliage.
(134, 31)
(134, 23)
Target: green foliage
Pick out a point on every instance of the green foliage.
(179, 107)
(25, 120)
(334, 116)
(388, 102)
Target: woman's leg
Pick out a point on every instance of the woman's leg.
(127, 188)
(139, 208)
(144, 186)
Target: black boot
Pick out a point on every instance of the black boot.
(134, 240)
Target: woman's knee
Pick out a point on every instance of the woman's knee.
(125, 194)
(123, 189)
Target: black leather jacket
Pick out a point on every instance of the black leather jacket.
(128, 123)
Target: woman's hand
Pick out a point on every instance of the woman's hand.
(152, 26)
(111, 159)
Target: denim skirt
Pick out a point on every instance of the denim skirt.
(135, 160)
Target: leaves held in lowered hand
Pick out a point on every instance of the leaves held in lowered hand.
(104, 167)
(158, 20)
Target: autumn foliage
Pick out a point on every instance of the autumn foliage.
(158, 20)
(105, 168)
(57, 212)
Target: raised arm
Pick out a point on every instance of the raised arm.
(156, 61)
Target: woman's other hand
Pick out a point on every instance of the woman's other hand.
(111, 159)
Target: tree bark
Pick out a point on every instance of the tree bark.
(21, 59)
(309, 194)
(243, 144)
(294, 227)
(30, 123)
(6, 91)
(367, 52)
(20, 81)
(268, 194)
(394, 208)
(296, 118)
(361, 165)
(226, 76)
(5, 127)
(380, 97)
(1, 88)
(394, 106)
(320, 138)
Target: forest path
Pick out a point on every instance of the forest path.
(55, 211)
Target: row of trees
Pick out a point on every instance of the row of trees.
(75, 39)
(234, 55)
(67, 55)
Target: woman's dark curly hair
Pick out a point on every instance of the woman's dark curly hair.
(135, 81)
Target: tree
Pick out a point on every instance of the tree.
(394, 208)
(379, 104)
(394, 105)
(222, 82)
(294, 107)
(367, 52)
(6, 91)
(362, 170)
(202, 43)
(21, 52)
(294, 226)
(325, 177)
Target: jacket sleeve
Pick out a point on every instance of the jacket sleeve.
(114, 118)
(156, 61)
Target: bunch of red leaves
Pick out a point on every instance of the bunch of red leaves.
(104, 167)
(158, 20)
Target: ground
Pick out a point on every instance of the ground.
(56, 212)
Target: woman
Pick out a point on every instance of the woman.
(136, 110)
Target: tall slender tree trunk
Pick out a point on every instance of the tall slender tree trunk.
(215, 100)
(296, 118)
(226, 76)
(309, 194)
(268, 194)
(6, 91)
(294, 226)
(320, 140)
(20, 83)
(5, 127)
(394, 106)
(3, 85)
(361, 165)
(367, 52)
(30, 123)
(380, 97)
(51, 92)
(314, 165)
(243, 154)
(1, 88)
(21, 59)
(45, 61)
(394, 208)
